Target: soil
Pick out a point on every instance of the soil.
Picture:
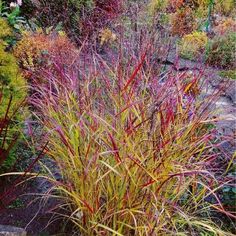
(28, 212)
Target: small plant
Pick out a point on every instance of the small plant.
(12, 14)
(225, 7)
(226, 26)
(193, 45)
(18, 203)
(156, 5)
(221, 51)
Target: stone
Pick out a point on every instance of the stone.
(7, 230)
(231, 92)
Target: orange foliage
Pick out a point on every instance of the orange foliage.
(183, 21)
(175, 4)
(35, 50)
(225, 25)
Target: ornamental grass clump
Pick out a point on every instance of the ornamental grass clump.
(134, 151)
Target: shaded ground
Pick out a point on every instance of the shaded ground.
(28, 212)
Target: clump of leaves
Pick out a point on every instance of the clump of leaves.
(12, 16)
(157, 5)
(193, 45)
(106, 36)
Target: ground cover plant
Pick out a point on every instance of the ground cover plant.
(128, 117)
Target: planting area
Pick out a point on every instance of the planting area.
(117, 118)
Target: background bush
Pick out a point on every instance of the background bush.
(80, 19)
(225, 7)
(193, 45)
(12, 85)
(183, 21)
(222, 51)
(13, 92)
(225, 26)
(35, 51)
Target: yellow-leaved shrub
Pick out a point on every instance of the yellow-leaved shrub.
(13, 93)
(5, 30)
(192, 45)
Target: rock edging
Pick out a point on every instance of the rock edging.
(7, 230)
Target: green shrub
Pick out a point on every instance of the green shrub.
(156, 5)
(222, 52)
(5, 30)
(13, 92)
(10, 77)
